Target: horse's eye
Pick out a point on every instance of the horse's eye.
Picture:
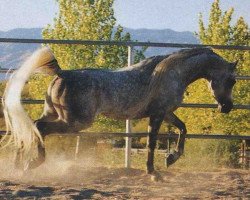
(214, 83)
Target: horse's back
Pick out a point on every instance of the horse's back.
(110, 91)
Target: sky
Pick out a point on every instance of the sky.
(179, 15)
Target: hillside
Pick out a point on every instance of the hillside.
(11, 55)
(165, 35)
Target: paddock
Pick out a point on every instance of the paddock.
(128, 181)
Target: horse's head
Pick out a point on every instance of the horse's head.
(221, 84)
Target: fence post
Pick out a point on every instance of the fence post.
(128, 122)
(77, 147)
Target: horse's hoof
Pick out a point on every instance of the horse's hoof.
(33, 164)
(170, 160)
(156, 177)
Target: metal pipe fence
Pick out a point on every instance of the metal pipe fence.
(122, 43)
(167, 135)
(11, 70)
(130, 44)
(184, 105)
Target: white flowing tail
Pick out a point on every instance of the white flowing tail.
(24, 133)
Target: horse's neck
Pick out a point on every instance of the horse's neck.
(146, 69)
(194, 69)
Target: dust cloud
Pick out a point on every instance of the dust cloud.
(86, 178)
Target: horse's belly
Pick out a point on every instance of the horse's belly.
(123, 116)
(116, 112)
(116, 115)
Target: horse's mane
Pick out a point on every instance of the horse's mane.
(154, 62)
(179, 56)
(187, 53)
(146, 65)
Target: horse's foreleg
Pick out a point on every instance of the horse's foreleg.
(154, 126)
(173, 119)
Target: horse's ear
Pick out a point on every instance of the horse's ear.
(233, 65)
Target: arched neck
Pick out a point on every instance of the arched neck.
(195, 68)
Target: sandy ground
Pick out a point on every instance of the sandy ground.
(71, 180)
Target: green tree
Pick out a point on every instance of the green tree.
(85, 20)
(221, 31)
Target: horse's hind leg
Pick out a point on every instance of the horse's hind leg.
(154, 126)
(59, 126)
(49, 114)
(49, 111)
(18, 163)
(39, 160)
(173, 119)
(45, 128)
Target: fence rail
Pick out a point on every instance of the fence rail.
(167, 135)
(161, 135)
(4, 70)
(184, 105)
(121, 43)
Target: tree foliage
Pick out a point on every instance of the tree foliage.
(221, 31)
(85, 20)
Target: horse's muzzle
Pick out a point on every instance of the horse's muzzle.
(225, 107)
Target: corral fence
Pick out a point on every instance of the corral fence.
(245, 149)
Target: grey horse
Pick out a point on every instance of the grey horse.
(153, 88)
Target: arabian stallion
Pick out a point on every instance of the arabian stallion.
(153, 89)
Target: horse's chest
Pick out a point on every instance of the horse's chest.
(171, 94)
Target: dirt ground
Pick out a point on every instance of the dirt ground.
(87, 180)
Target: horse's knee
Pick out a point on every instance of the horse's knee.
(152, 140)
